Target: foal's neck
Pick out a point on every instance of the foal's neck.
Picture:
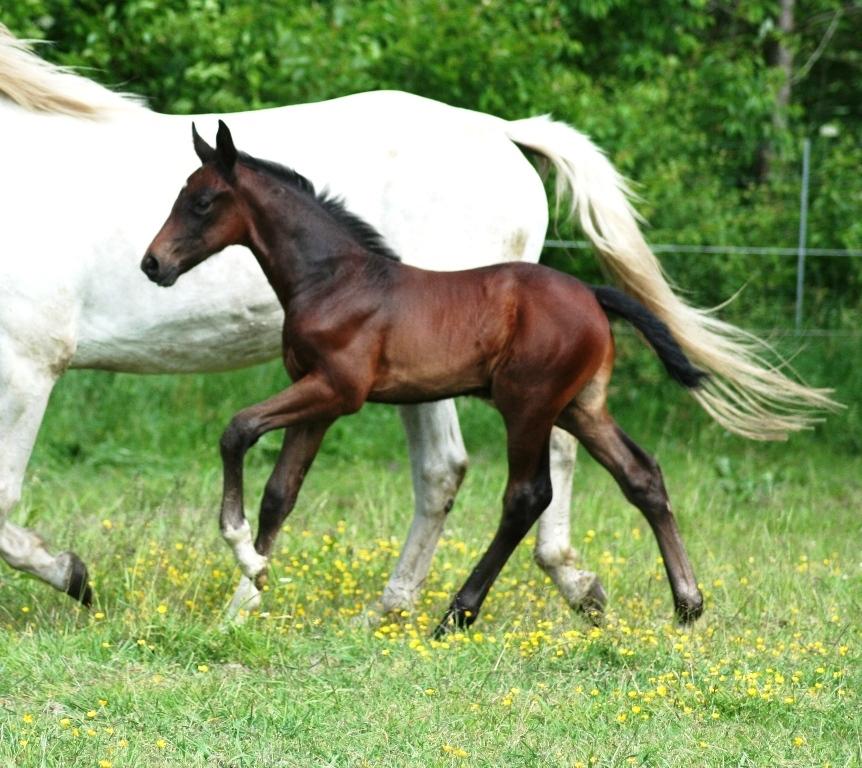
(300, 246)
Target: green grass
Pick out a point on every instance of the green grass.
(126, 473)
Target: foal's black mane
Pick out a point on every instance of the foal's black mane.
(364, 234)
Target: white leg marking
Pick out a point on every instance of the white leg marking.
(251, 563)
(438, 462)
(245, 599)
(554, 553)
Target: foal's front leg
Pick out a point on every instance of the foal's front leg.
(310, 402)
(300, 446)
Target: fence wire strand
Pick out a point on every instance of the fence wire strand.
(745, 250)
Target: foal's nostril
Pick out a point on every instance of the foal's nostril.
(150, 265)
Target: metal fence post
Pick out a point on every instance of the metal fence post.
(803, 231)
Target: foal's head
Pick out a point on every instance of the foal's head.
(206, 216)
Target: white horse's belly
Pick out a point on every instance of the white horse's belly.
(223, 315)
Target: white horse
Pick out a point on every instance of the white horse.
(85, 176)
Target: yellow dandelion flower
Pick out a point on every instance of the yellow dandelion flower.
(65, 722)
(454, 751)
(203, 668)
(161, 743)
(27, 718)
(105, 764)
(162, 609)
(798, 741)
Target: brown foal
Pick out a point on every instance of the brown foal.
(361, 326)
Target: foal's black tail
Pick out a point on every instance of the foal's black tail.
(654, 330)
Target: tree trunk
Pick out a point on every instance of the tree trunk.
(778, 56)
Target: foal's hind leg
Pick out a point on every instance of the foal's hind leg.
(528, 493)
(640, 479)
(554, 553)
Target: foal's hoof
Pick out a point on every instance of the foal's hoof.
(445, 627)
(593, 603)
(260, 581)
(78, 582)
(689, 609)
(454, 619)
(245, 599)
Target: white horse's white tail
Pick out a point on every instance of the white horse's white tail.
(746, 393)
(36, 85)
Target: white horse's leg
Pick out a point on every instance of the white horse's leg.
(554, 553)
(438, 462)
(24, 391)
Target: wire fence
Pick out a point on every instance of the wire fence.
(744, 250)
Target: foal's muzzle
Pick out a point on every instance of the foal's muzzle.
(152, 269)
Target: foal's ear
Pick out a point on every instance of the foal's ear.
(203, 150)
(225, 149)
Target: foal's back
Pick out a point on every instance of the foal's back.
(471, 332)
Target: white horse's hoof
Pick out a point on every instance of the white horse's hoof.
(244, 600)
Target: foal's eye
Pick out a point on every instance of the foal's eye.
(202, 205)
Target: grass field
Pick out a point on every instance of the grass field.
(126, 473)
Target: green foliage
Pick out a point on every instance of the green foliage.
(680, 92)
